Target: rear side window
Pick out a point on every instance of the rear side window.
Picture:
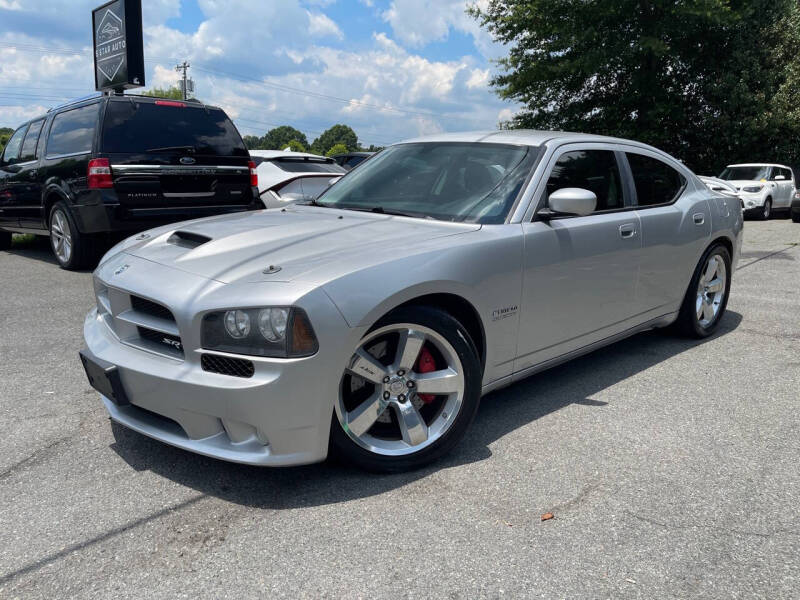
(147, 127)
(28, 151)
(656, 182)
(594, 170)
(72, 131)
(354, 160)
(11, 152)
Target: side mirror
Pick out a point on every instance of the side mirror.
(570, 201)
(780, 178)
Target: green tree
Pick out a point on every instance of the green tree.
(336, 149)
(280, 137)
(295, 146)
(173, 93)
(252, 142)
(338, 134)
(5, 135)
(699, 78)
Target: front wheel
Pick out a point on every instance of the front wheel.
(408, 392)
(796, 216)
(707, 297)
(766, 211)
(5, 240)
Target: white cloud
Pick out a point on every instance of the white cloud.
(321, 25)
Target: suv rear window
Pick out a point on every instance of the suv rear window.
(72, 131)
(141, 127)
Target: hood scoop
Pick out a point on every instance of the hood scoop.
(187, 239)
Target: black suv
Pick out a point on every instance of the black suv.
(120, 164)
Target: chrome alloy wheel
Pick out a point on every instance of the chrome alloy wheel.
(711, 290)
(60, 237)
(389, 408)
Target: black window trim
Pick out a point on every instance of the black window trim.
(25, 126)
(36, 155)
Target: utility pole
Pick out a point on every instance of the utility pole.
(184, 67)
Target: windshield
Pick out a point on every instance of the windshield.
(466, 182)
(745, 173)
(140, 127)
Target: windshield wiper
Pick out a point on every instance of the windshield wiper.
(191, 149)
(396, 213)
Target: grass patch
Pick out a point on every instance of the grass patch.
(22, 239)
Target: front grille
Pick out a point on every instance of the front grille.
(151, 308)
(224, 365)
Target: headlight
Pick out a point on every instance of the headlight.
(277, 332)
(753, 189)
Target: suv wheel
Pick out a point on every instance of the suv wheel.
(72, 249)
(707, 297)
(5, 240)
(408, 393)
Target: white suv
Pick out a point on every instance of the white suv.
(762, 187)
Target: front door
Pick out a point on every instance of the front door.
(580, 273)
(9, 201)
(28, 183)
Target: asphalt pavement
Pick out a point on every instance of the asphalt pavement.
(672, 469)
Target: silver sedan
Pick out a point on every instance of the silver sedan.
(372, 320)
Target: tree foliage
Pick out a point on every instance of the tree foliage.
(173, 93)
(5, 135)
(338, 134)
(336, 149)
(295, 146)
(280, 137)
(710, 81)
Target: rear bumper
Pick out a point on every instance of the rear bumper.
(108, 217)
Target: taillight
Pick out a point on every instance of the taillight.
(253, 174)
(99, 173)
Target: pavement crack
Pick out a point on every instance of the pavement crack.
(770, 255)
(33, 459)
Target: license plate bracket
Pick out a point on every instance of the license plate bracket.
(104, 377)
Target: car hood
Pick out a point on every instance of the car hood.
(297, 243)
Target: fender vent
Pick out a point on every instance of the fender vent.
(187, 239)
(224, 365)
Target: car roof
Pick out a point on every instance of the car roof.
(285, 154)
(528, 137)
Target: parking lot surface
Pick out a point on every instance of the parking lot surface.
(672, 469)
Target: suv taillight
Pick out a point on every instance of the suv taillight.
(99, 174)
(253, 174)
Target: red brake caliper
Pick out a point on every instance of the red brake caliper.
(425, 364)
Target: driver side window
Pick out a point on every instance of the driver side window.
(12, 149)
(593, 170)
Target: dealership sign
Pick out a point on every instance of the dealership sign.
(118, 48)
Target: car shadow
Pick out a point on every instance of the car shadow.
(501, 412)
(36, 247)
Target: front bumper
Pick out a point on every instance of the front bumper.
(280, 416)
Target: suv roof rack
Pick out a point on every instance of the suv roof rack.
(75, 101)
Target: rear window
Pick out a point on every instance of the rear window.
(28, 151)
(306, 165)
(72, 131)
(142, 127)
(656, 182)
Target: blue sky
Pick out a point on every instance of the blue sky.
(391, 69)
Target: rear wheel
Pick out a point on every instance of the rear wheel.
(72, 249)
(707, 296)
(5, 240)
(409, 391)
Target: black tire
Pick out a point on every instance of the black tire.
(796, 216)
(765, 213)
(84, 248)
(341, 445)
(688, 322)
(5, 240)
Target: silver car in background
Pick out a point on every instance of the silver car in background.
(372, 320)
(285, 176)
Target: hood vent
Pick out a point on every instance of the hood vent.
(187, 239)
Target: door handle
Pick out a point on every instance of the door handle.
(699, 218)
(627, 231)
(33, 173)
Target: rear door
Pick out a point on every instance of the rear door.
(168, 155)
(676, 225)
(29, 182)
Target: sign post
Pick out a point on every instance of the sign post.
(118, 46)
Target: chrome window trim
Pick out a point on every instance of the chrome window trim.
(57, 156)
(178, 167)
